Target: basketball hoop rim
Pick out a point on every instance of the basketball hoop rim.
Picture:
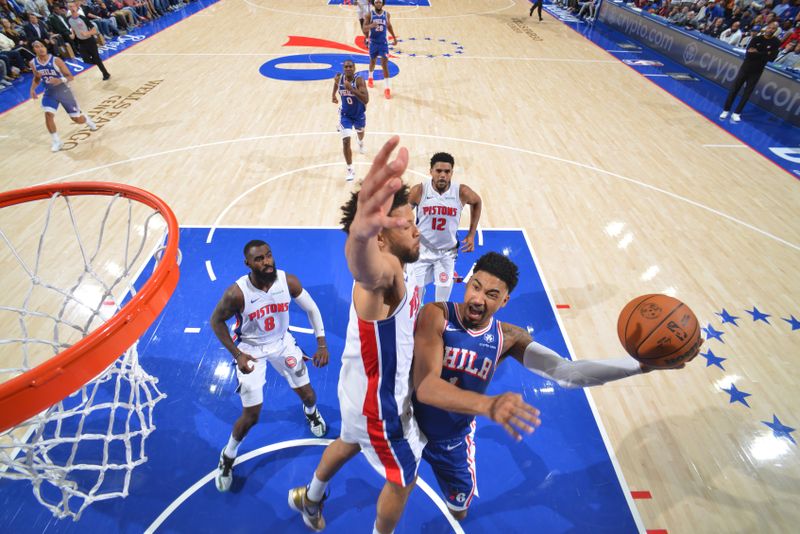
(25, 395)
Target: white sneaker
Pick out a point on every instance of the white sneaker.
(351, 175)
(90, 123)
(361, 149)
(316, 423)
(723, 115)
(56, 146)
(224, 476)
(736, 117)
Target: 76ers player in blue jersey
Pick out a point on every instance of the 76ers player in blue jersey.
(457, 347)
(55, 75)
(377, 23)
(352, 111)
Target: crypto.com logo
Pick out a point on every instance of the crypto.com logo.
(299, 68)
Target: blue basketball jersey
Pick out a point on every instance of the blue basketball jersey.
(48, 70)
(351, 105)
(378, 33)
(469, 360)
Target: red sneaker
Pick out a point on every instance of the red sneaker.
(369, 83)
(387, 93)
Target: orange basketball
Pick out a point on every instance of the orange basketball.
(658, 330)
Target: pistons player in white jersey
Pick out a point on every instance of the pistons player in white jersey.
(260, 302)
(363, 11)
(374, 384)
(439, 202)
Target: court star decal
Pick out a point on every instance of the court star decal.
(712, 359)
(727, 317)
(779, 430)
(794, 322)
(737, 395)
(758, 316)
(713, 334)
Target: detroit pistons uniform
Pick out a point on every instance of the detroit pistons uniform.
(55, 94)
(375, 390)
(352, 111)
(378, 42)
(262, 331)
(469, 361)
(363, 9)
(438, 216)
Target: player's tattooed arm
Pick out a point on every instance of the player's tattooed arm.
(232, 301)
(515, 339)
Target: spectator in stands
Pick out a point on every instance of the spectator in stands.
(761, 50)
(119, 5)
(714, 29)
(19, 40)
(11, 57)
(39, 7)
(123, 19)
(715, 11)
(732, 35)
(58, 24)
(5, 81)
(781, 8)
(105, 23)
(790, 57)
(793, 37)
(36, 30)
(7, 11)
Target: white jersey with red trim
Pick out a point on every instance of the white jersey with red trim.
(375, 379)
(265, 317)
(438, 216)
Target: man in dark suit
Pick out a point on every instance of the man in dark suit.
(36, 30)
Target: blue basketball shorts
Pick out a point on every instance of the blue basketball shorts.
(453, 463)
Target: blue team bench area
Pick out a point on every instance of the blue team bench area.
(423, 3)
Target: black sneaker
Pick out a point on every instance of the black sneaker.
(316, 423)
(224, 476)
(106, 76)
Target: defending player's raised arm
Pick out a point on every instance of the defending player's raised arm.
(508, 409)
(569, 374)
(334, 99)
(62, 67)
(307, 304)
(232, 301)
(371, 268)
(471, 198)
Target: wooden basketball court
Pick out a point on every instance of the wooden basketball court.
(611, 177)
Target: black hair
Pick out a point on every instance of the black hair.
(500, 266)
(253, 243)
(443, 157)
(349, 207)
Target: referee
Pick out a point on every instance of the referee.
(84, 37)
(762, 49)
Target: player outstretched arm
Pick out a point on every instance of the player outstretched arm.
(334, 99)
(307, 304)
(569, 374)
(230, 303)
(471, 198)
(508, 409)
(372, 269)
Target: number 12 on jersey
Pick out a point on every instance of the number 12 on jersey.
(438, 223)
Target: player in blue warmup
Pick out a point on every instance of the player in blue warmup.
(352, 111)
(377, 23)
(55, 75)
(457, 347)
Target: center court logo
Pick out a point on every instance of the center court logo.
(298, 68)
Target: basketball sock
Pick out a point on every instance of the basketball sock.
(232, 448)
(309, 410)
(315, 492)
(388, 83)
(54, 135)
(350, 168)
(375, 529)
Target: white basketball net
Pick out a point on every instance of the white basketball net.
(72, 273)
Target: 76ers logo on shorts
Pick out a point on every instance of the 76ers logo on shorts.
(291, 362)
(443, 277)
